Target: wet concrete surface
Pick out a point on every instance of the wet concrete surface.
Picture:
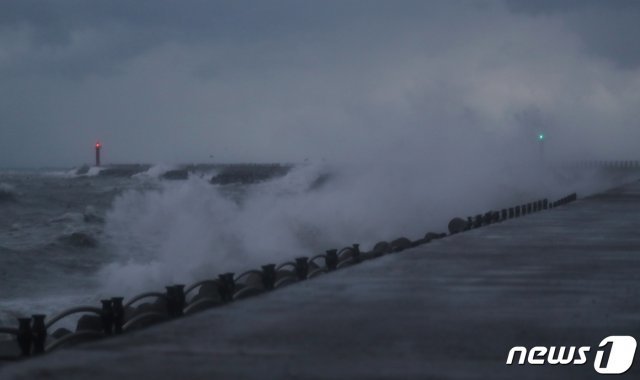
(451, 309)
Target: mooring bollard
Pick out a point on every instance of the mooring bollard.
(107, 316)
(230, 283)
(24, 336)
(302, 267)
(356, 252)
(487, 218)
(39, 331)
(226, 286)
(176, 300)
(269, 276)
(182, 298)
(171, 303)
(118, 314)
(331, 259)
(223, 290)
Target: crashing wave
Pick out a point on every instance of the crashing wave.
(155, 171)
(81, 171)
(187, 228)
(183, 231)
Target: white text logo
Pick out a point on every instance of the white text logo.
(614, 355)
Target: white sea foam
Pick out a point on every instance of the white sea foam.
(83, 171)
(189, 230)
(71, 173)
(94, 171)
(155, 171)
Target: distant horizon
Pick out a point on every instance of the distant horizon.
(223, 163)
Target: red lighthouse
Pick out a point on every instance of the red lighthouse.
(98, 146)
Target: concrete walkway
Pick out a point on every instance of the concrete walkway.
(451, 309)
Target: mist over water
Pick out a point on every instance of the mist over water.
(191, 230)
(69, 239)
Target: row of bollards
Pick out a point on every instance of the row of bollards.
(115, 316)
(610, 164)
(457, 225)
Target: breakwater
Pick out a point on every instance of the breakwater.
(114, 316)
(452, 308)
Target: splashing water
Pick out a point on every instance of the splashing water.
(190, 230)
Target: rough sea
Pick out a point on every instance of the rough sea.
(52, 241)
(71, 237)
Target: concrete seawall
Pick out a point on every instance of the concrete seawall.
(451, 309)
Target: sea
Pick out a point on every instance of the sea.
(72, 236)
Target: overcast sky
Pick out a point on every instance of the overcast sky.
(181, 81)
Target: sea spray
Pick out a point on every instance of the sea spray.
(189, 230)
(155, 171)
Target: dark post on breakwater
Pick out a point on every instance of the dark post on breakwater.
(98, 147)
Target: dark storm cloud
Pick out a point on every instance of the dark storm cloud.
(79, 37)
(607, 28)
(75, 38)
(286, 80)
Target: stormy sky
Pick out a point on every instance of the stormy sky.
(203, 81)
